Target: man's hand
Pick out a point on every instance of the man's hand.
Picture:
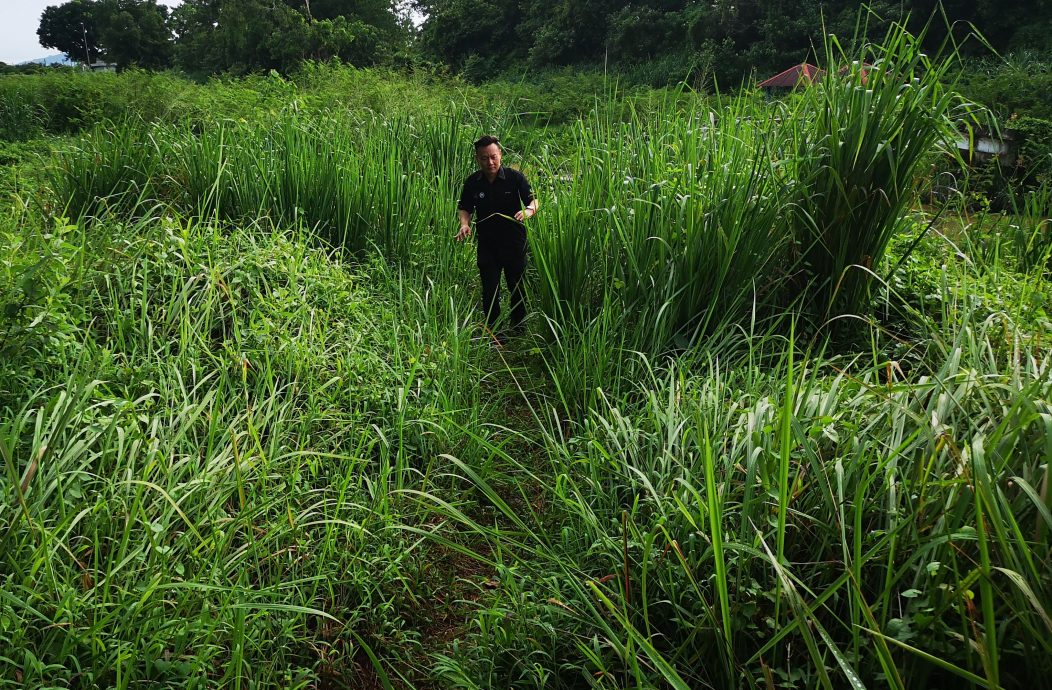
(523, 215)
(465, 232)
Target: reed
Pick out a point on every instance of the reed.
(730, 528)
(865, 129)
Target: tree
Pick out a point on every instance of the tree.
(71, 28)
(352, 41)
(361, 32)
(242, 36)
(238, 36)
(128, 32)
(734, 36)
(479, 37)
(377, 13)
(135, 32)
(566, 32)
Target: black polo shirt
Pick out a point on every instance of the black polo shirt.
(506, 196)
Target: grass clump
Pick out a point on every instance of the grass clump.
(811, 525)
(868, 128)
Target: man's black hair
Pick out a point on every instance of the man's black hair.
(486, 140)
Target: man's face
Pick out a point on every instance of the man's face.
(488, 158)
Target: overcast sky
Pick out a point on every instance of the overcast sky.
(19, 20)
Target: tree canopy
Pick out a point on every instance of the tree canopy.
(127, 32)
(72, 29)
(725, 37)
(212, 36)
(249, 35)
(485, 38)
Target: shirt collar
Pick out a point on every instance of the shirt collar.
(500, 174)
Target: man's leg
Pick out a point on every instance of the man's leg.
(489, 271)
(514, 268)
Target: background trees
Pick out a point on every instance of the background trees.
(250, 35)
(663, 39)
(127, 32)
(729, 37)
(135, 32)
(71, 28)
(212, 36)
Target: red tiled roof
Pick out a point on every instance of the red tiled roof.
(804, 72)
(863, 72)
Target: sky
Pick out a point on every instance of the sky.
(19, 20)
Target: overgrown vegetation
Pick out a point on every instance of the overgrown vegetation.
(775, 423)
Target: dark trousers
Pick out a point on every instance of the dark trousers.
(508, 258)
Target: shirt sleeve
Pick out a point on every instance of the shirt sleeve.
(525, 191)
(466, 203)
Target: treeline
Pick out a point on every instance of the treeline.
(657, 42)
(227, 36)
(725, 38)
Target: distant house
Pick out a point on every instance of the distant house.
(982, 145)
(804, 73)
(100, 66)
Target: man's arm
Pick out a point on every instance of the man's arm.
(529, 211)
(526, 196)
(465, 225)
(465, 207)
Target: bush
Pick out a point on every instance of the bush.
(1019, 85)
(1035, 148)
(66, 101)
(37, 317)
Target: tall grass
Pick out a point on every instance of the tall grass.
(659, 233)
(665, 230)
(866, 129)
(1031, 238)
(669, 223)
(835, 524)
(279, 461)
(203, 493)
(679, 220)
(67, 101)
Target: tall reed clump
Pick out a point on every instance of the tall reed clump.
(684, 223)
(1032, 229)
(680, 223)
(20, 116)
(113, 169)
(658, 232)
(861, 134)
(360, 181)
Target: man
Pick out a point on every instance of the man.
(502, 201)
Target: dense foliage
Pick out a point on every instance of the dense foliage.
(656, 43)
(1017, 85)
(774, 423)
(213, 36)
(250, 35)
(1017, 89)
(674, 38)
(125, 32)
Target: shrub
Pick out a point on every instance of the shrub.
(37, 316)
